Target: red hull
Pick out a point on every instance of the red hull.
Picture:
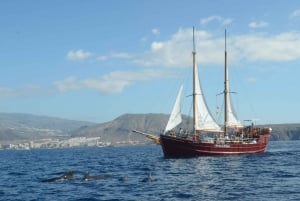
(180, 147)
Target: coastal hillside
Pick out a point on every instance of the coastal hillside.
(285, 131)
(16, 126)
(120, 128)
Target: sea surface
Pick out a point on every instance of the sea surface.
(273, 175)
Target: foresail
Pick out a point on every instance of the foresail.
(204, 120)
(175, 117)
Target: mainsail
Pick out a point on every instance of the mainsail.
(203, 119)
(175, 117)
(232, 121)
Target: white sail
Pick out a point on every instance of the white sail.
(175, 117)
(204, 120)
(232, 120)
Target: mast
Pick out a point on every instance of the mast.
(194, 85)
(226, 91)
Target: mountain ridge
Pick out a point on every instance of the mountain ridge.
(121, 127)
(18, 126)
(21, 126)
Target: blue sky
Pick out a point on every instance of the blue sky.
(96, 60)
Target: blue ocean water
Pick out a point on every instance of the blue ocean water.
(273, 175)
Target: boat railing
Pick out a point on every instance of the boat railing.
(181, 134)
(229, 140)
(246, 136)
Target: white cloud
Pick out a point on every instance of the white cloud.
(221, 20)
(295, 13)
(176, 52)
(155, 32)
(263, 47)
(155, 46)
(68, 84)
(78, 55)
(115, 55)
(260, 24)
(110, 83)
(102, 58)
(120, 55)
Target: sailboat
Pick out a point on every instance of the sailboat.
(207, 136)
